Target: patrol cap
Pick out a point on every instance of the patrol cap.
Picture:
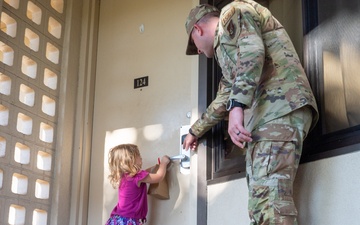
(194, 16)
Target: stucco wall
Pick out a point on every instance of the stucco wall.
(326, 192)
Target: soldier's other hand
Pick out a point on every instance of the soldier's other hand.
(238, 134)
(190, 142)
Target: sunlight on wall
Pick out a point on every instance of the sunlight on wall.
(121, 136)
(131, 135)
(153, 132)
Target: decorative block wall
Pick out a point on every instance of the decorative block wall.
(31, 40)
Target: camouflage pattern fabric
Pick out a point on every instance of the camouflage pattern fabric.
(260, 67)
(272, 160)
(262, 70)
(194, 16)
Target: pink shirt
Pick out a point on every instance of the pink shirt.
(132, 201)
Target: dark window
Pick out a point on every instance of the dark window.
(332, 56)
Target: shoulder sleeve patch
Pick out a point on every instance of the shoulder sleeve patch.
(227, 16)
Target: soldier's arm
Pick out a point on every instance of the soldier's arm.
(243, 53)
(215, 112)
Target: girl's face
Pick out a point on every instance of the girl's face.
(138, 161)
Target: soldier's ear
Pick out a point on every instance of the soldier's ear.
(198, 29)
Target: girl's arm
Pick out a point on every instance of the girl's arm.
(160, 173)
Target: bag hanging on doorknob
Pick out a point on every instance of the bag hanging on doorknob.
(158, 190)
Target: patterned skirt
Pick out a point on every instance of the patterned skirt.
(118, 220)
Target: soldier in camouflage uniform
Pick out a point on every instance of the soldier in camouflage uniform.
(263, 76)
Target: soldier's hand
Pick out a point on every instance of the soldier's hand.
(190, 142)
(238, 134)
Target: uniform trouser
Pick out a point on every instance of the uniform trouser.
(272, 161)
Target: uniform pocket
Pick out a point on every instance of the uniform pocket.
(260, 158)
(285, 207)
(282, 160)
(284, 203)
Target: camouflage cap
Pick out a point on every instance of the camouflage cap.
(194, 16)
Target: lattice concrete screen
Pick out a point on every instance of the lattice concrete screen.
(31, 40)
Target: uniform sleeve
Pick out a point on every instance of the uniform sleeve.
(215, 112)
(242, 52)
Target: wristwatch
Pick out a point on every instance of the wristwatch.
(232, 103)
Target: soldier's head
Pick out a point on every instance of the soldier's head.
(200, 26)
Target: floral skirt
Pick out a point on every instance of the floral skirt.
(118, 220)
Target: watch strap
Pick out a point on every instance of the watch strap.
(232, 103)
(238, 104)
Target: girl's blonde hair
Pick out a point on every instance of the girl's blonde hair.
(122, 162)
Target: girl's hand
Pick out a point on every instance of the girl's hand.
(160, 173)
(165, 160)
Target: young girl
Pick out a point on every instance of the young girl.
(126, 174)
